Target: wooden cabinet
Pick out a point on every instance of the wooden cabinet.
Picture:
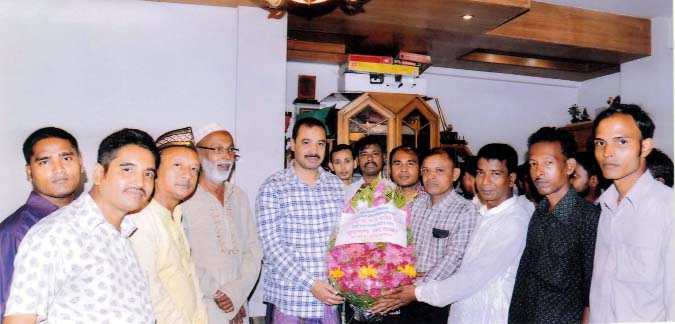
(582, 133)
(398, 119)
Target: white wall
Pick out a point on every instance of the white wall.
(492, 107)
(647, 82)
(94, 66)
(261, 92)
(593, 93)
(326, 80)
(483, 107)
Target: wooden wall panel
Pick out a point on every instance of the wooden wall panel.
(580, 27)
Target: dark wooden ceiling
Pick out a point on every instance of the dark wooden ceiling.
(524, 37)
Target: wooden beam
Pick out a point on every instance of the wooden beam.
(316, 46)
(535, 61)
(315, 57)
(578, 27)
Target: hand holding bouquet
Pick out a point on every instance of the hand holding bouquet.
(372, 251)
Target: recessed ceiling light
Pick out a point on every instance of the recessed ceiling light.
(467, 17)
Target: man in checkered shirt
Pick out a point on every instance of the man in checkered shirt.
(297, 209)
(442, 223)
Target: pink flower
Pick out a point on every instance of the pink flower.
(354, 251)
(392, 255)
(379, 200)
(359, 290)
(379, 189)
(331, 262)
(374, 292)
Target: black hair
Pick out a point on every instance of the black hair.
(588, 162)
(642, 119)
(552, 134)
(525, 184)
(451, 154)
(44, 133)
(660, 166)
(404, 148)
(363, 142)
(501, 152)
(107, 150)
(340, 147)
(309, 122)
(469, 165)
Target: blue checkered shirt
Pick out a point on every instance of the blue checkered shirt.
(295, 222)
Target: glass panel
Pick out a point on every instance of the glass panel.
(368, 122)
(416, 131)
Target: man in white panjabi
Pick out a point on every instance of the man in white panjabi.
(480, 291)
(221, 230)
(159, 240)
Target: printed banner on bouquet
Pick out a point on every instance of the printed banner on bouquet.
(384, 223)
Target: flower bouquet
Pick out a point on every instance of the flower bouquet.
(371, 250)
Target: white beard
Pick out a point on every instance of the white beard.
(212, 173)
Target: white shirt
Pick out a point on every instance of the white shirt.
(481, 289)
(526, 204)
(634, 266)
(75, 267)
(353, 188)
(225, 247)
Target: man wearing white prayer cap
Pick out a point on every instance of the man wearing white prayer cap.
(221, 230)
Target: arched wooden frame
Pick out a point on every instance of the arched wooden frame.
(428, 113)
(354, 108)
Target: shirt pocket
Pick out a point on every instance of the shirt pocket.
(638, 264)
(440, 233)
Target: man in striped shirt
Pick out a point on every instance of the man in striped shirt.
(297, 209)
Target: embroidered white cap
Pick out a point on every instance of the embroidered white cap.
(206, 130)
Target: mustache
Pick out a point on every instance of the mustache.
(136, 189)
(312, 156)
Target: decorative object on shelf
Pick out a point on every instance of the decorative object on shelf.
(306, 87)
(584, 116)
(614, 100)
(447, 135)
(574, 112)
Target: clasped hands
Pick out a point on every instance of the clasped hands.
(394, 299)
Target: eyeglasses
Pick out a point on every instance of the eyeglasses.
(221, 150)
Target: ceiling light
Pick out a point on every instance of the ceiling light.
(467, 17)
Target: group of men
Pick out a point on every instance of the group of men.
(163, 235)
(498, 259)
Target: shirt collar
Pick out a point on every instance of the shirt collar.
(164, 212)
(38, 205)
(506, 204)
(641, 187)
(451, 196)
(419, 188)
(292, 176)
(93, 217)
(561, 210)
